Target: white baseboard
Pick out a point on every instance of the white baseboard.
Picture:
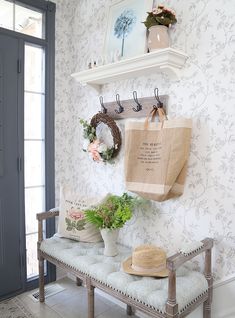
(223, 305)
(224, 299)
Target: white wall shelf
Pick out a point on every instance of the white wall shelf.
(165, 60)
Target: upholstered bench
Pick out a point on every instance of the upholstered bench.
(175, 296)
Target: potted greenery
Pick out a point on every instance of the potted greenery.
(157, 22)
(109, 217)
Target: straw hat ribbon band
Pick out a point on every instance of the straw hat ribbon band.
(148, 270)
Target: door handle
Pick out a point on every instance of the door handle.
(1, 150)
(1, 163)
(19, 163)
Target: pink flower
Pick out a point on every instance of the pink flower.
(156, 10)
(76, 215)
(170, 11)
(93, 149)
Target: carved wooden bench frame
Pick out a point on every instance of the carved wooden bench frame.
(173, 263)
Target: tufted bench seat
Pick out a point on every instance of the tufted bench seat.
(151, 295)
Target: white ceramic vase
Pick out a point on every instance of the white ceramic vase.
(110, 238)
(158, 37)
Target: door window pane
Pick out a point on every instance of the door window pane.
(28, 21)
(22, 19)
(34, 116)
(34, 203)
(34, 69)
(31, 254)
(34, 163)
(34, 146)
(6, 14)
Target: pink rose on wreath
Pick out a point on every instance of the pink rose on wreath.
(93, 149)
(76, 215)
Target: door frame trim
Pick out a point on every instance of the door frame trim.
(50, 125)
(49, 45)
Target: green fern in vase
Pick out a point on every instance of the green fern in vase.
(113, 213)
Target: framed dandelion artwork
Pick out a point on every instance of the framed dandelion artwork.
(126, 34)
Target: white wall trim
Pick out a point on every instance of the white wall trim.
(225, 281)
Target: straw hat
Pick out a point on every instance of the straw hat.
(146, 260)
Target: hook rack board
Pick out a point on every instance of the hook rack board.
(146, 102)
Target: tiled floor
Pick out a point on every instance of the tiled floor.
(72, 303)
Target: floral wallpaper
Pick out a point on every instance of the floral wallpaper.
(205, 93)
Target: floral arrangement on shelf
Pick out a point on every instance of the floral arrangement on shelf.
(98, 150)
(113, 213)
(160, 16)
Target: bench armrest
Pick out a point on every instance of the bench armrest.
(175, 261)
(47, 215)
(178, 259)
(44, 216)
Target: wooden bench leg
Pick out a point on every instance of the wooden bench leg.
(129, 310)
(40, 263)
(171, 305)
(209, 278)
(91, 299)
(207, 309)
(41, 280)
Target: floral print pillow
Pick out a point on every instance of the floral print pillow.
(72, 222)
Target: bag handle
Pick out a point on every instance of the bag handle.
(154, 112)
(161, 114)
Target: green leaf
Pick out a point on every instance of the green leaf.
(80, 225)
(75, 225)
(163, 18)
(89, 132)
(92, 217)
(165, 21)
(68, 221)
(150, 21)
(113, 213)
(108, 154)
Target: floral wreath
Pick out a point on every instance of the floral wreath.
(98, 150)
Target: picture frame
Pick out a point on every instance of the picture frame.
(125, 33)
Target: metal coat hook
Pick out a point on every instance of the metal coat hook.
(159, 103)
(103, 108)
(139, 106)
(121, 108)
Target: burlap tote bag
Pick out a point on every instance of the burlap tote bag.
(156, 156)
